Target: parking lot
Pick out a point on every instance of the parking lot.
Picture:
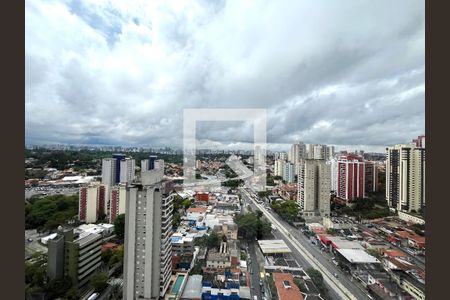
(32, 244)
(47, 191)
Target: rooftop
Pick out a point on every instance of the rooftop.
(357, 256)
(286, 288)
(273, 246)
(193, 288)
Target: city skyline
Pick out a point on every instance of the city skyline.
(114, 74)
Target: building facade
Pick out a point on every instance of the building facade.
(405, 177)
(77, 256)
(91, 204)
(278, 167)
(118, 199)
(350, 177)
(127, 170)
(148, 228)
(314, 185)
(289, 172)
(370, 177)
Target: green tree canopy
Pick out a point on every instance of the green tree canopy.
(98, 281)
(119, 225)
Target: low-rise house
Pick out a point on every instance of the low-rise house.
(286, 288)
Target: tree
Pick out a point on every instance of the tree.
(57, 288)
(213, 240)
(186, 203)
(116, 257)
(317, 279)
(287, 210)
(247, 224)
(119, 225)
(47, 213)
(99, 281)
(73, 294)
(106, 256)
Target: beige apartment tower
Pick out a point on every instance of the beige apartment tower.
(405, 177)
(148, 228)
(314, 185)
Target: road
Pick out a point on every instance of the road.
(254, 267)
(344, 287)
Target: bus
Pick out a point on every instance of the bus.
(93, 296)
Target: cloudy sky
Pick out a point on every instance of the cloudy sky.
(347, 73)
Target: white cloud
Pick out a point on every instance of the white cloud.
(329, 72)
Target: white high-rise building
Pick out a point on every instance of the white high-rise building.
(288, 172)
(279, 167)
(296, 153)
(330, 152)
(334, 173)
(318, 152)
(282, 155)
(148, 228)
(309, 151)
(127, 170)
(314, 185)
(405, 177)
(108, 171)
(91, 202)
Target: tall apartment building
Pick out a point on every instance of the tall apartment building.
(350, 177)
(314, 188)
(296, 153)
(370, 177)
(420, 141)
(319, 151)
(118, 157)
(288, 172)
(117, 169)
(108, 171)
(148, 227)
(76, 256)
(279, 167)
(329, 153)
(405, 177)
(127, 170)
(118, 200)
(91, 203)
(148, 164)
(334, 173)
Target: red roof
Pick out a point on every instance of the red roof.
(395, 253)
(286, 293)
(109, 246)
(196, 209)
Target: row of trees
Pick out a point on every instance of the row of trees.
(317, 279)
(252, 225)
(178, 204)
(84, 159)
(373, 207)
(287, 210)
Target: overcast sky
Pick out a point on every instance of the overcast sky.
(347, 73)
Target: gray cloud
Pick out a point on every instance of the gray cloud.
(116, 73)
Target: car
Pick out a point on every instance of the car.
(30, 240)
(336, 275)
